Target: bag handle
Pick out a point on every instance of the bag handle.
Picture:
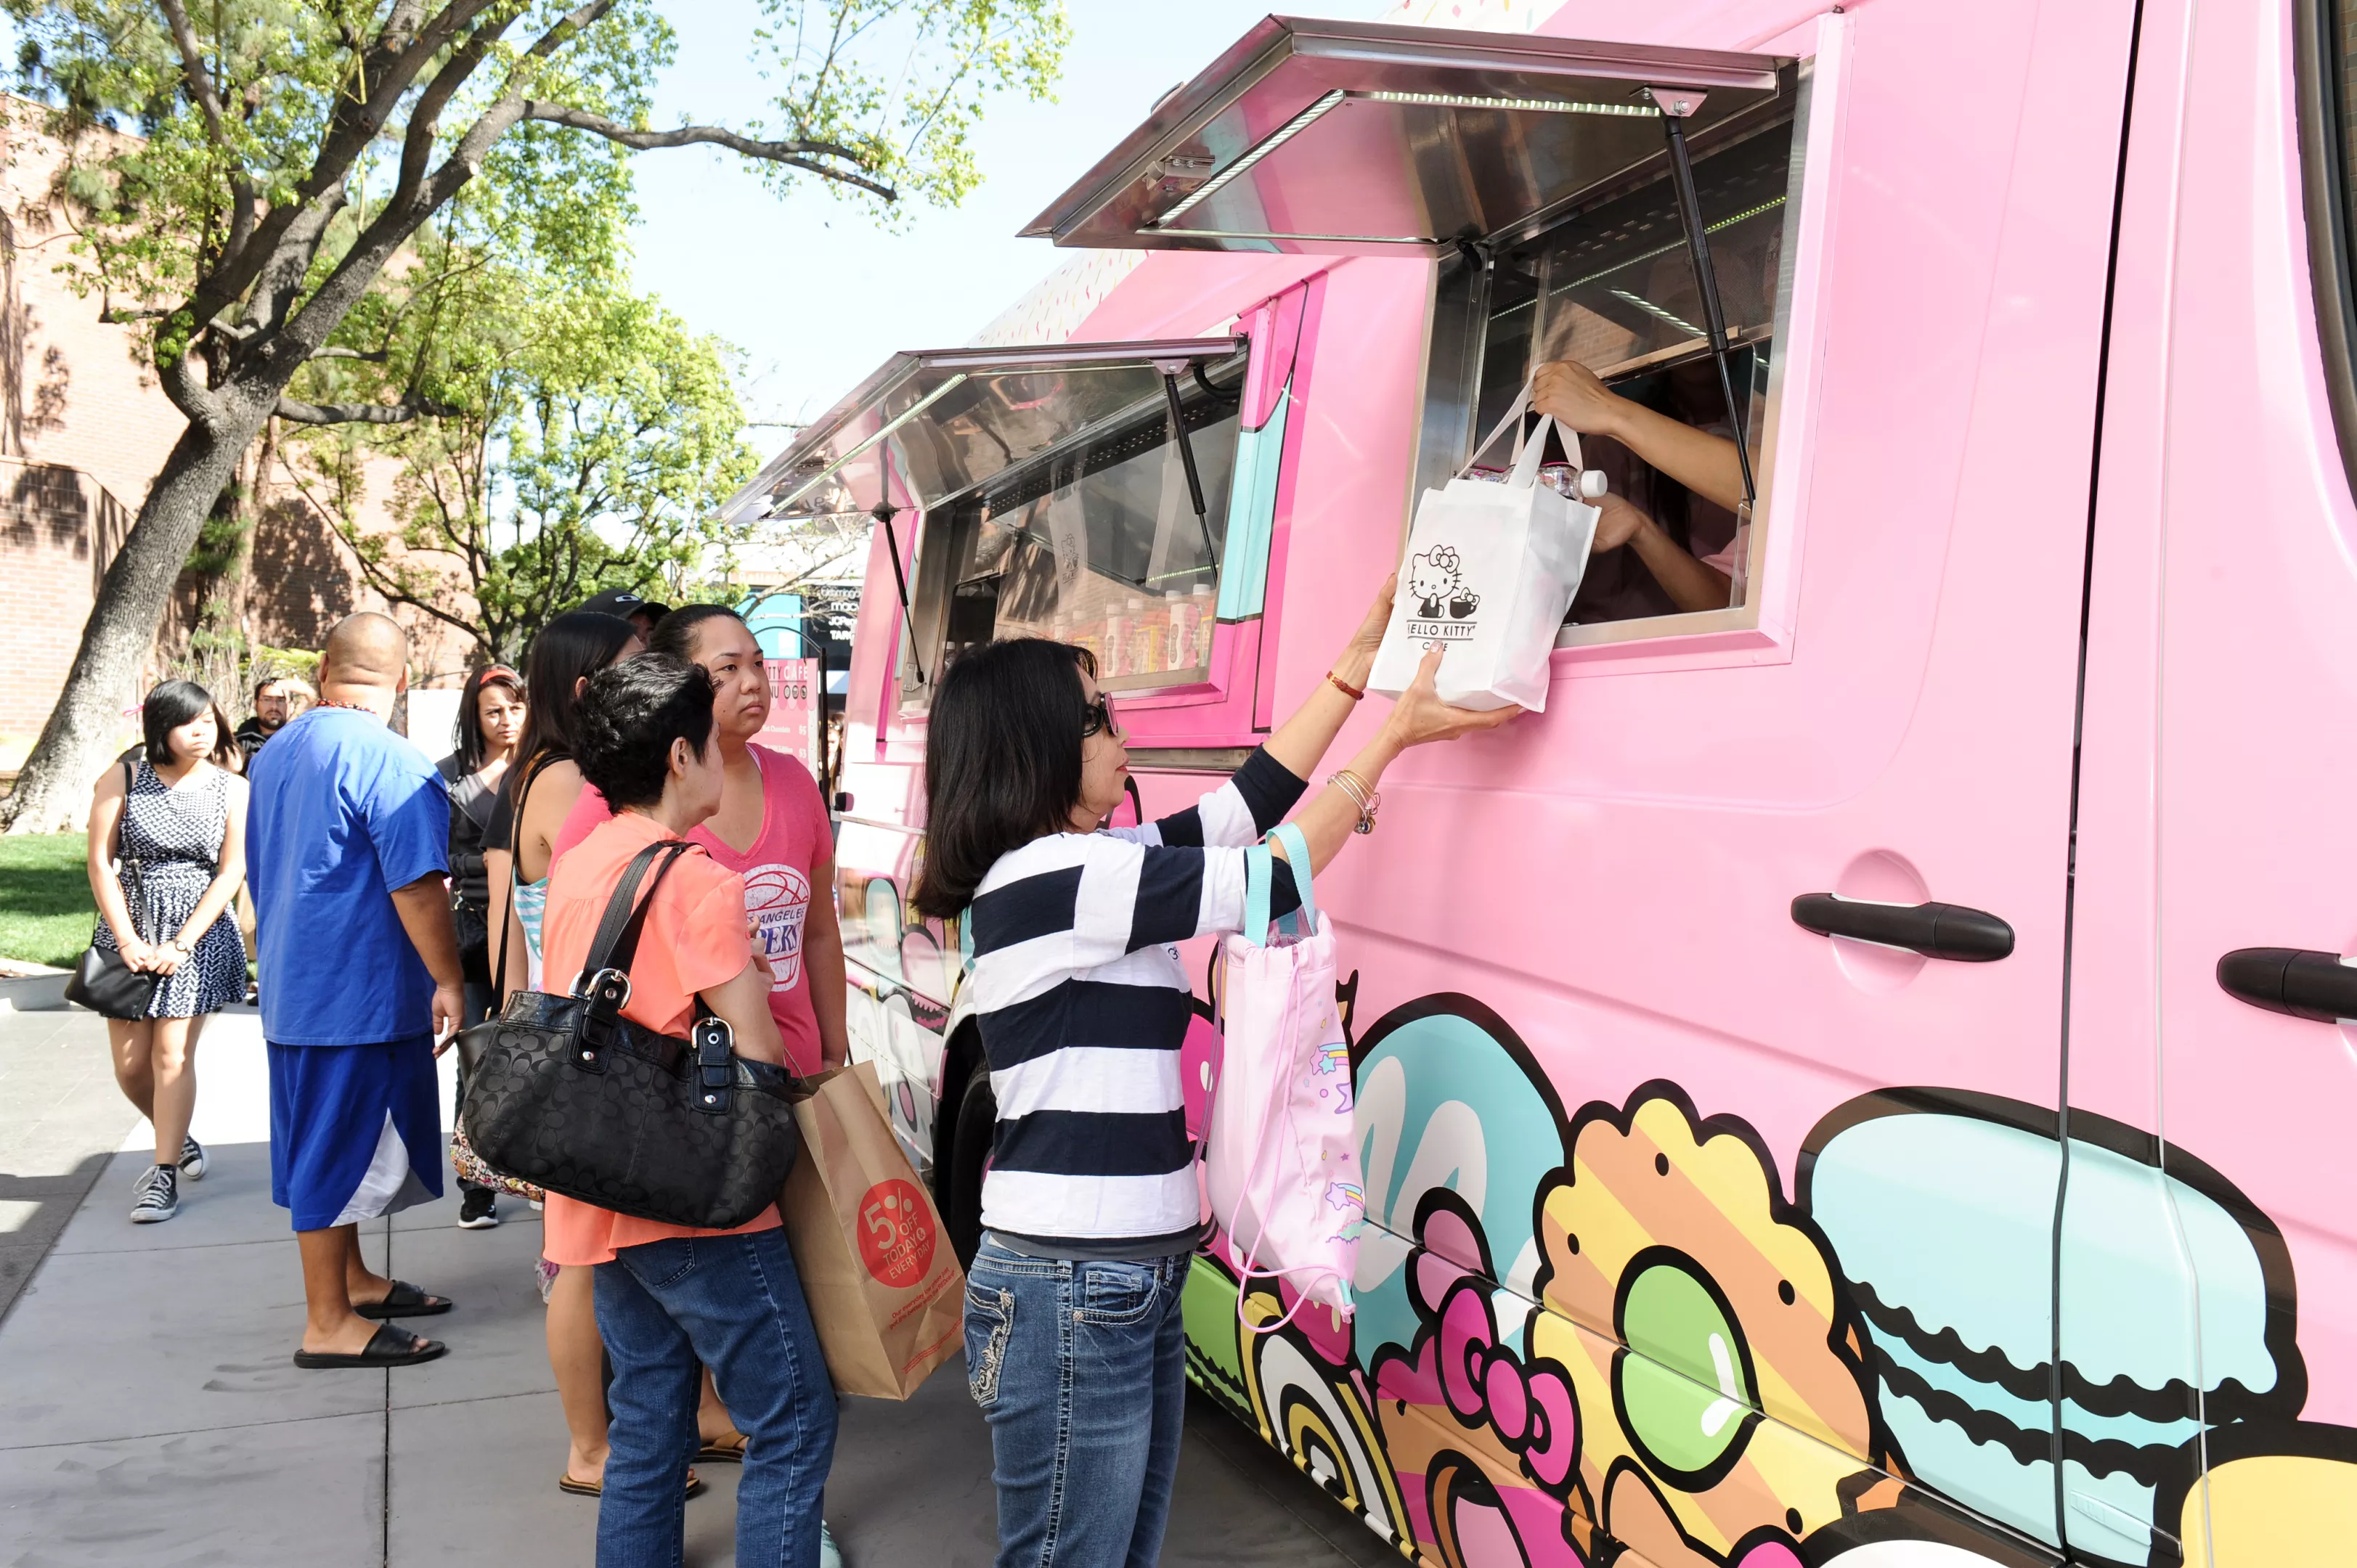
(1528, 450)
(616, 945)
(515, 827)
(1260, 882)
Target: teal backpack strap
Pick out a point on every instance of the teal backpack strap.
(1259, 872)
(1297, 854)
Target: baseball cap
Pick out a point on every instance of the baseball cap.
(623, 602)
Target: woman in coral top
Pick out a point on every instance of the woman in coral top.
(771, 829)
(669, 1296)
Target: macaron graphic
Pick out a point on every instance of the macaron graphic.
(1940, 1208)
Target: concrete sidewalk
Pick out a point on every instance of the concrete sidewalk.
(149, 1412)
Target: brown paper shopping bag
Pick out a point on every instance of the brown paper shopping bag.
(884, 1286)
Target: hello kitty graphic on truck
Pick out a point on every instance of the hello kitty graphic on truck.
(1445, 602)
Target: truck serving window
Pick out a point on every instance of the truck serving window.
(1109, 539)
(1612, 287)
(1097, 543)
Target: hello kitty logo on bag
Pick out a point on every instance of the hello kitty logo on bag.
(1445, 602)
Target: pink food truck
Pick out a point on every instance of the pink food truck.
(1866, 1077)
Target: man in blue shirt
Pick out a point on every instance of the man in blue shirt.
(347, 852)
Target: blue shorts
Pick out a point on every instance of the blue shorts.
(355, 1130)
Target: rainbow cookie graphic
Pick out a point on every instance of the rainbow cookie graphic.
(1685, 1302)
(1940, 1206)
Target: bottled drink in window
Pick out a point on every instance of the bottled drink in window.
(1150, 623)
(1120, 640)
(1179, 645)
(1206, 620)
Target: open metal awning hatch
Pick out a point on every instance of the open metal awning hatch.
(943, 421)
(1360, 138)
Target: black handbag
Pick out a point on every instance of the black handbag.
(102, 980)
(566, 1093)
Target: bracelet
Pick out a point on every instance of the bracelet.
(1365, 799)
(1354, 692)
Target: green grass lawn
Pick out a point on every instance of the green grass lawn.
(46, 911)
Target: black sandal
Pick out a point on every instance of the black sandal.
(565, 1483)
(388, 1346)
(403, 1300)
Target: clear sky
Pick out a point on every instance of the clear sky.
(813, 293)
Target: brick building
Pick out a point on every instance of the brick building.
(83, 427)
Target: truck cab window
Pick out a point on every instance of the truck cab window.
(1612, 288)
(1097, 543)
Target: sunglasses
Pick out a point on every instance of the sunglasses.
(1096, 718)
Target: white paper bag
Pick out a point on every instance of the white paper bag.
(1490, 574)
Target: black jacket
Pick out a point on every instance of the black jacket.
(249, 738)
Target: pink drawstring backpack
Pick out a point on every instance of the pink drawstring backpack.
(1281, 1162)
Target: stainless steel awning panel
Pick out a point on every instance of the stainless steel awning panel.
(1343, 137)
(946, 420)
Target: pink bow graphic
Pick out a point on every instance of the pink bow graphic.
(1531, 1409)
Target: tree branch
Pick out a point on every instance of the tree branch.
(363, 412)
(207, 96)
(801, 155)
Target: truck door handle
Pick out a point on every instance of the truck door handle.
(2305, 984)
(1935, 930)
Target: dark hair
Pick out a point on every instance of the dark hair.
(630, 715)
(171, 704)
(1001, 762)
(577, 643)
(466, 731)
(225, 748)
(675, 633)
(266, 681)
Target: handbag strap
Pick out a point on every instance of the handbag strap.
(515, 830)
(617, 941)
(136, 885)
(1260, 882)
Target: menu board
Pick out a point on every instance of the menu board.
(794, 712)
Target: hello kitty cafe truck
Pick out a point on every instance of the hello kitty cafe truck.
(1859, 1079)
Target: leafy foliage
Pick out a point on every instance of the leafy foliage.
(589, 442)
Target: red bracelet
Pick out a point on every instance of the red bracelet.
(1354, 692)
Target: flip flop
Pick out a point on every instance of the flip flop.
(388, 1346)
(403, 1300)
(727, 1450)
(565, 1483)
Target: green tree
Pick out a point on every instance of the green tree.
(293, 152)
(590, 440)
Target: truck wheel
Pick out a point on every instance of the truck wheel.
(978, 1116)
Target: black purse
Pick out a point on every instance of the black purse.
(566, 1093)
(102, 980)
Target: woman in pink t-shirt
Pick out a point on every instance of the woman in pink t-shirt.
(771, 829)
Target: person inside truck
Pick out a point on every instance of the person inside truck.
(1075, 1345)
(1702, 460)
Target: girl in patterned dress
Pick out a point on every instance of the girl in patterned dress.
(166, 855)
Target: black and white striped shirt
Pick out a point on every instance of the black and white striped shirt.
(1083, 1005)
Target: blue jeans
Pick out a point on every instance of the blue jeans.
(1081, 1369)
(734, 1304)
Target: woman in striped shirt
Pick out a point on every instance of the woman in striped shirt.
(1075, 1347)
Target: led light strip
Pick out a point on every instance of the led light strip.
(1769, 206)
(824, 474)
(1518, 105)
(1268, 144)
(1649, 308)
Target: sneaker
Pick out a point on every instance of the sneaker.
(159, 1196)
(478, 1209)
(829, 1554)
(192, 1159)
